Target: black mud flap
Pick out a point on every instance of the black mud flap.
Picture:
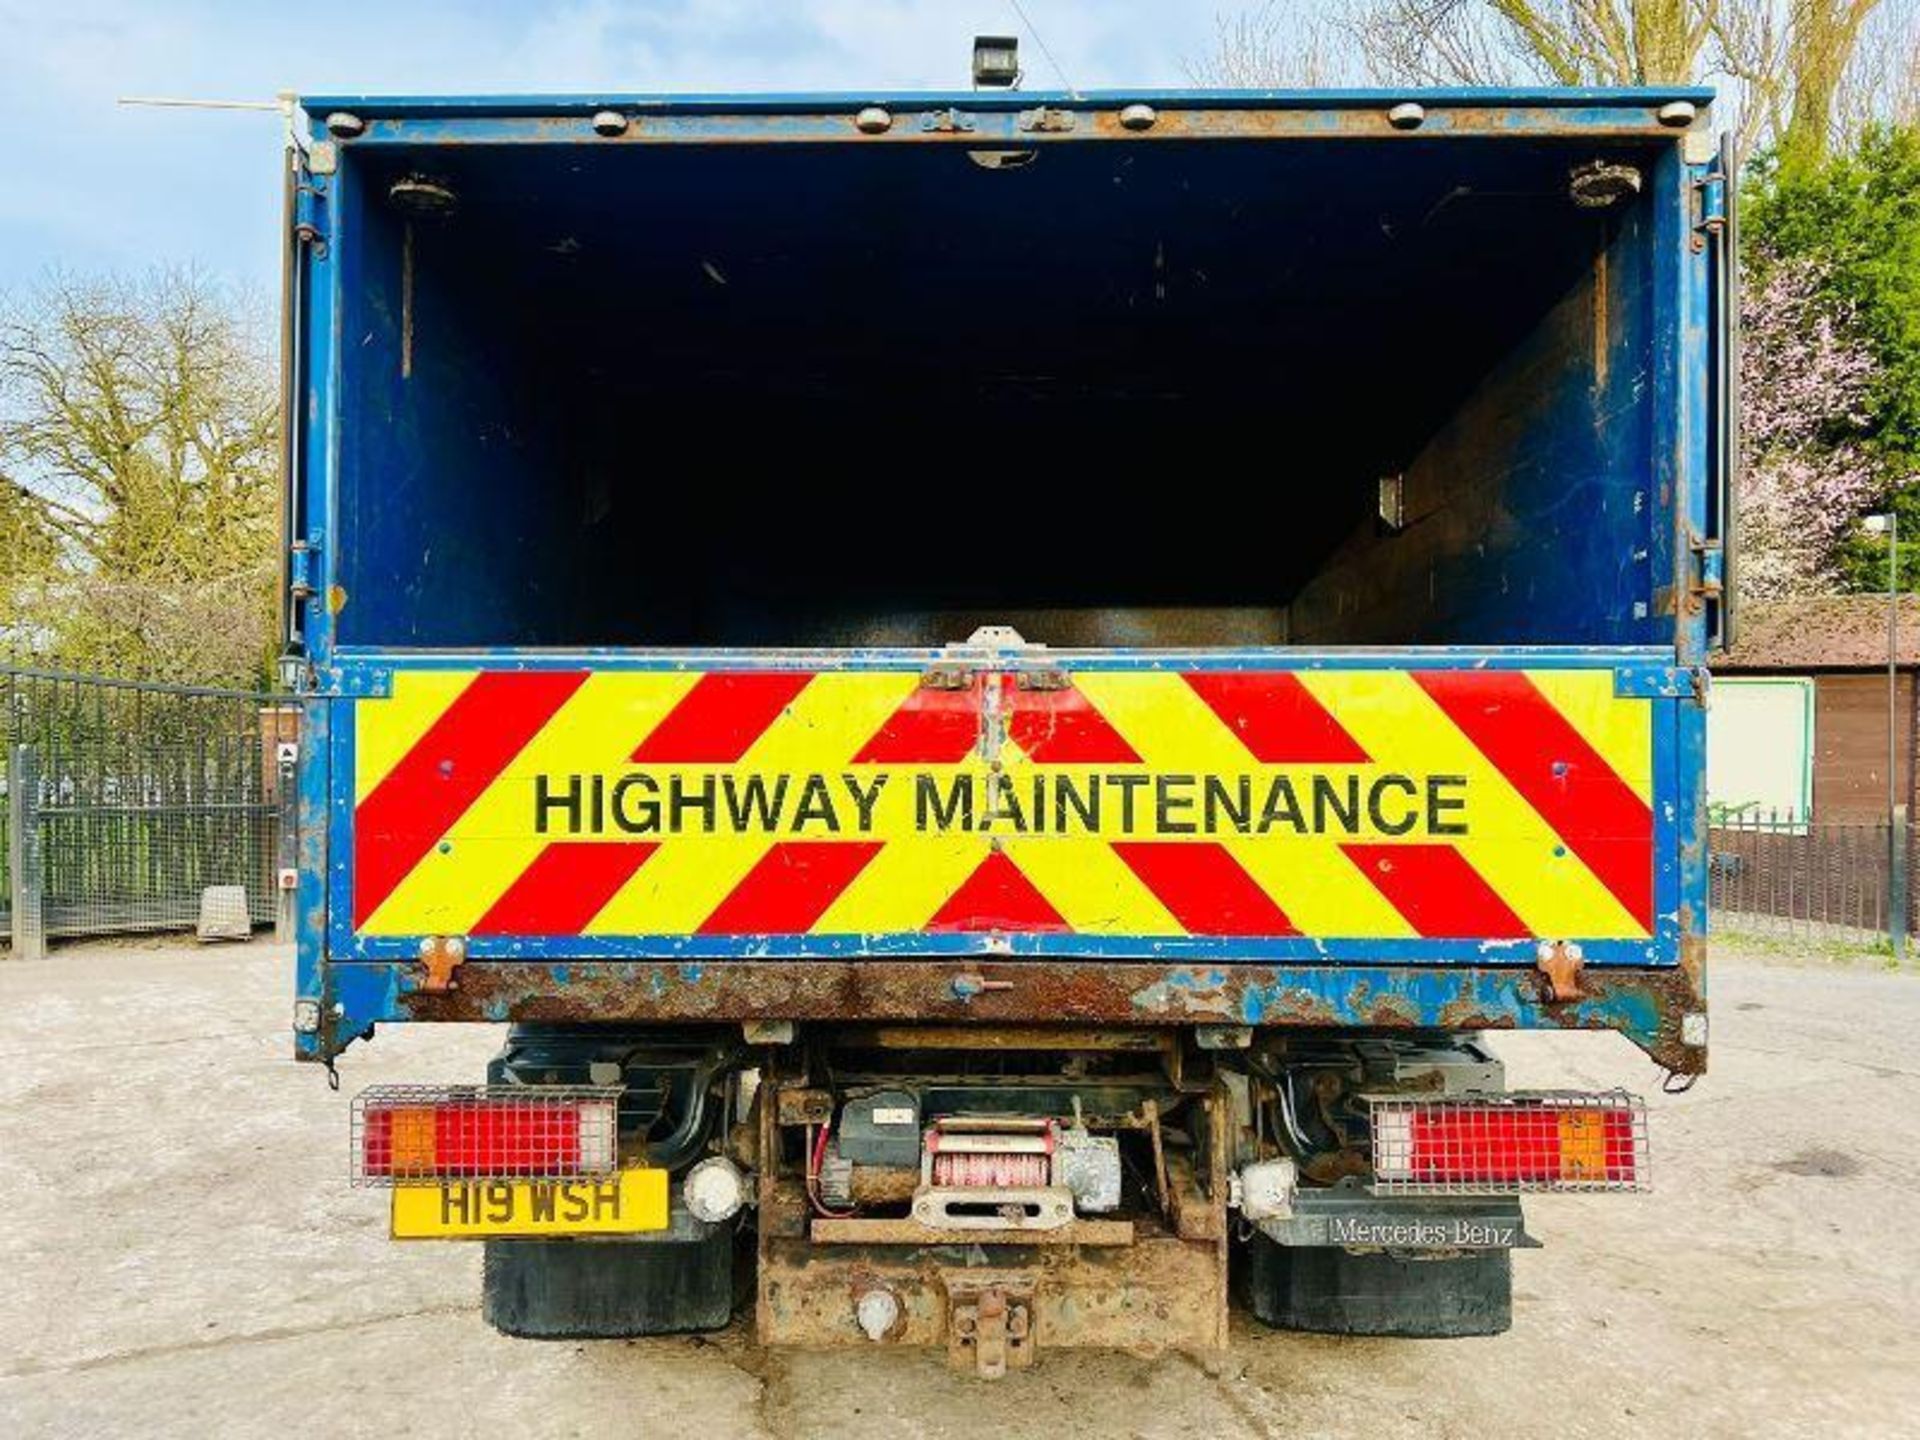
(609, 1289)
(1333, 1291)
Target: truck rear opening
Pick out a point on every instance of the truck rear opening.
(1004, 676)
(1147, 394)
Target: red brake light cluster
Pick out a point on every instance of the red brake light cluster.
(1503, 1143)
(408, 1133)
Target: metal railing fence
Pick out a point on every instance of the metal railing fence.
(122, 802)
(1778, 873)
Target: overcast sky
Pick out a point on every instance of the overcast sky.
(89, 186)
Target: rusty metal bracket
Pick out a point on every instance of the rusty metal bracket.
(803, 1105)
(440, 957)
(967, 985)
(1094, 1234)
(1042, 680)
(947, 677)
(1047, 119)
(1561, 961)
(947, 121)
(990, 1324)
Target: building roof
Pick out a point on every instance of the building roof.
(1829, 632)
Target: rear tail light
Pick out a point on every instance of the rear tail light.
(1498, 1144)
(405, 1133)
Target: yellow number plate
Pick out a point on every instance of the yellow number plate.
(622, 1204)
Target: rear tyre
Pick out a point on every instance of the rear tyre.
(1332, 1292)
(608, 1289)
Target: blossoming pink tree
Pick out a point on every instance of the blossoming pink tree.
(1806, 377)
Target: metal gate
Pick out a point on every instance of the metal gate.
(122, 802)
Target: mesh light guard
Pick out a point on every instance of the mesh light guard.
(424, 1134)
(1525, 1141)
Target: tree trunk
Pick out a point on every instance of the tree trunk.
(1664, 43)
(1823, 43)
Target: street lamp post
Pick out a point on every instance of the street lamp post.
(1889, 525)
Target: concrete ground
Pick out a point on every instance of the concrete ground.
(180, 1253)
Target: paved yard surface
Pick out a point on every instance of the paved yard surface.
(180, 1254)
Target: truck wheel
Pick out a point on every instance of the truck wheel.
(1333, 1292)
(608, 1289)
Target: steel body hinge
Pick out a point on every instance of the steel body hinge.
(313, 186)
(303, 566)
(1710, 192)
(1709, 569)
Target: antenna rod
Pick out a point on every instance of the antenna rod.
(1039, 40)
(171, 102)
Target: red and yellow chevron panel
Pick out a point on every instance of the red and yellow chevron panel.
(1338, 804)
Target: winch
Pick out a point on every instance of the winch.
(988, 1154)
(1008, 1173)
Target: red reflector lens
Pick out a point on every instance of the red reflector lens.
(473, 1140)
(1520, 1143)
(413, 1133)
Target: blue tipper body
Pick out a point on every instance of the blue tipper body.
(440, 521)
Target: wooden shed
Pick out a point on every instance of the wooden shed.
(1837, 647)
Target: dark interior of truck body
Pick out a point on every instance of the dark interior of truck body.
(1113, 394)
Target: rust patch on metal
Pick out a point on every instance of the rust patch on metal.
(1562, 965)
(1186, 991)
(990, 1328)
(1138, 995)
(1693, 947)
(987, 124)
(838, 1231)
(1364, 121)
(1195, 1215)
(1160, 1294)
(1332, 1166)
(882, 1185)
(805, 1106)
(1006, 1037)
(1602, 352)
(1386, 1007)
(783, 1209)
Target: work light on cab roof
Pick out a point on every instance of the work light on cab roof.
(996, 61)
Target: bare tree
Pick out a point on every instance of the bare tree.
(1801, 74)
(1279, 45)
(1882, 83)
(1553, 42)
(1751, 60)
(139, 443)
(1820, 47)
